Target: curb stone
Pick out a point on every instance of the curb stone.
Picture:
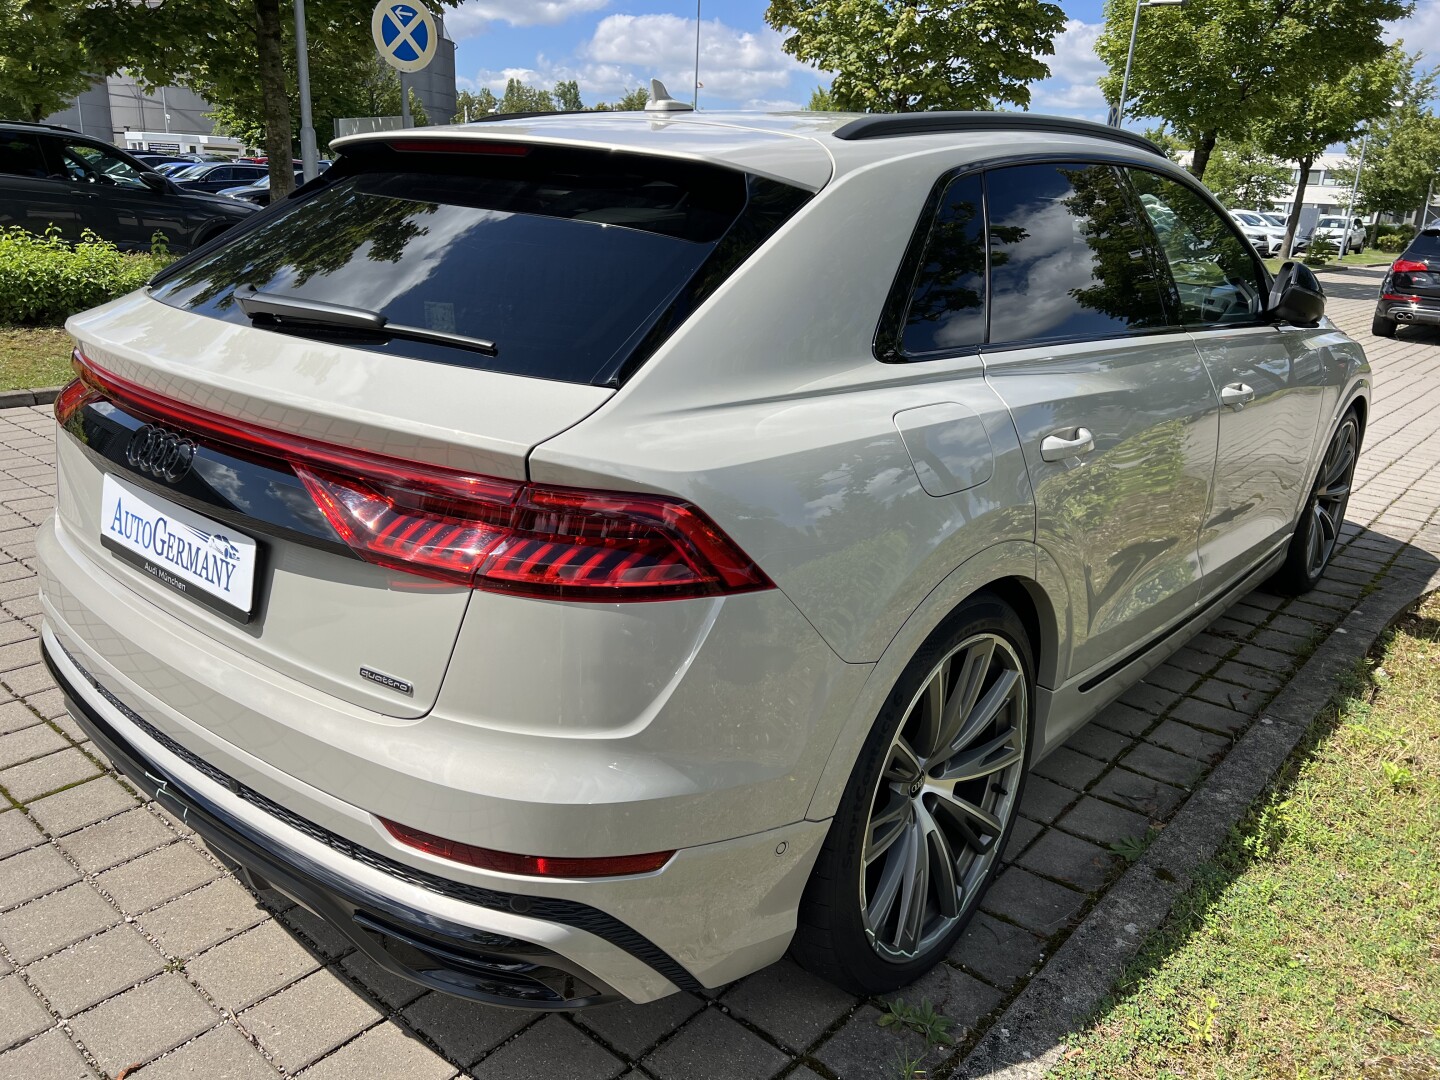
(17, 399)
(1024, 1042)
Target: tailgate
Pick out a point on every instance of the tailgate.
(318, 614)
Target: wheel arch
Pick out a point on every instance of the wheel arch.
(1019, 573)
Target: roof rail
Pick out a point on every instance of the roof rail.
(892, 125)
(36, 124)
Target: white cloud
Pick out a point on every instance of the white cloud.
(735, 65)
(1074, 69)
(1421, 31)
(474, 16)
(626, 51)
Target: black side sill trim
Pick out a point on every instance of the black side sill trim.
(552, 909)
(890, 125)
(1245, 582)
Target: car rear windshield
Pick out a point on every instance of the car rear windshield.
(575, 264)
(1426, 245)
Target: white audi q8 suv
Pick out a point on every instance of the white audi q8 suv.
(588, 556)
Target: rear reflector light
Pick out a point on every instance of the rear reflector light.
(531, 865)
(1406, 266)
(487, 533)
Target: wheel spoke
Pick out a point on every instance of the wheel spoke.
(931, 710)
(892, 874)
(903, 767)
(983, 713)
(914, 890)
(886, 827)
(1313, 560)
(942, 869)
(988, 757)
(974, 668)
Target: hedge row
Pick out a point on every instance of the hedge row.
(44, 279)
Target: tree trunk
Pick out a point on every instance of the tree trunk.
(1293, 221)
(1200, 158)
(268, 44)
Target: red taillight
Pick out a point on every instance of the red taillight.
(487, 533)
(76, 392)
(532, 865)
(1406, 266)
(1397, 296)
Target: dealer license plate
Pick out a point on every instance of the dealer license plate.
(205, 560)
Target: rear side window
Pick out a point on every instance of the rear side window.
(947, 303)
(1070, 257)
(20, 156)
(566, 260)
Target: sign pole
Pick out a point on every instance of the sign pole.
(309, 157)
(405, 119)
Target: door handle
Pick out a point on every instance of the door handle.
(1055, 448)
(1237, 396)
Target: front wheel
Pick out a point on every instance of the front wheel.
(928, 809)
(1318, 530)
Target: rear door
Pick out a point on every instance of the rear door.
(1115, 411)
(31, 195)
(1270, 380)
(117, 203)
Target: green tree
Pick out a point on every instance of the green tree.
(520, 97)
(1243, 176)
(472, 105)
(1213, 66)
(567, 96)
(906, 55)
(241, 53)
(1402, 153)
(44, 61)
(632, 101)
(822, 100)
(1167, 140)
(1299, 128)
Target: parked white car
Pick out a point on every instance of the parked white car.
(582, 557)
(1259, 231)
(1346, 234)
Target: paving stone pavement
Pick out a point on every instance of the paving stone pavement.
(125, 945)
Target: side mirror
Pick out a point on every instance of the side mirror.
(1297, 296)
(155, 182)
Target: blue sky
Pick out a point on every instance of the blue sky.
(609, 46)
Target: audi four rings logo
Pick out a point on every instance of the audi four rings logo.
(163, 454)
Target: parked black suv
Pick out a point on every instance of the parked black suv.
(1411, 290)
(54, 176)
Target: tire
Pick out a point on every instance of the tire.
(1321, 518)
(1383, 327)
(896, 800)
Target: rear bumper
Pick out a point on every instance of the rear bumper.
(461, 958)
(1426, 311)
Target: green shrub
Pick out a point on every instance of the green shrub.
(1393, 242)
(1320, 251)
(44, 279)
(1406, 232)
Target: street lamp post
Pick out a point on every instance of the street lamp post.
(1130, 56)
(309, 158)
(695, 97)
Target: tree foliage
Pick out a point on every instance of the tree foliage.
(822, 100)
(1245, 177)
(1402, 153)
(1299, 127)
(910, 55)
(1211, 67)
(473, 104)
(242, 53)
(44, 59)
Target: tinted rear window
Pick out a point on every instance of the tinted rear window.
(1426, 245)
(566, 260)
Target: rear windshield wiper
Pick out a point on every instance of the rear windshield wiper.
(293, 311)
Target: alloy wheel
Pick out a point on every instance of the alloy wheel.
(947, 791)
(1332, 494)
